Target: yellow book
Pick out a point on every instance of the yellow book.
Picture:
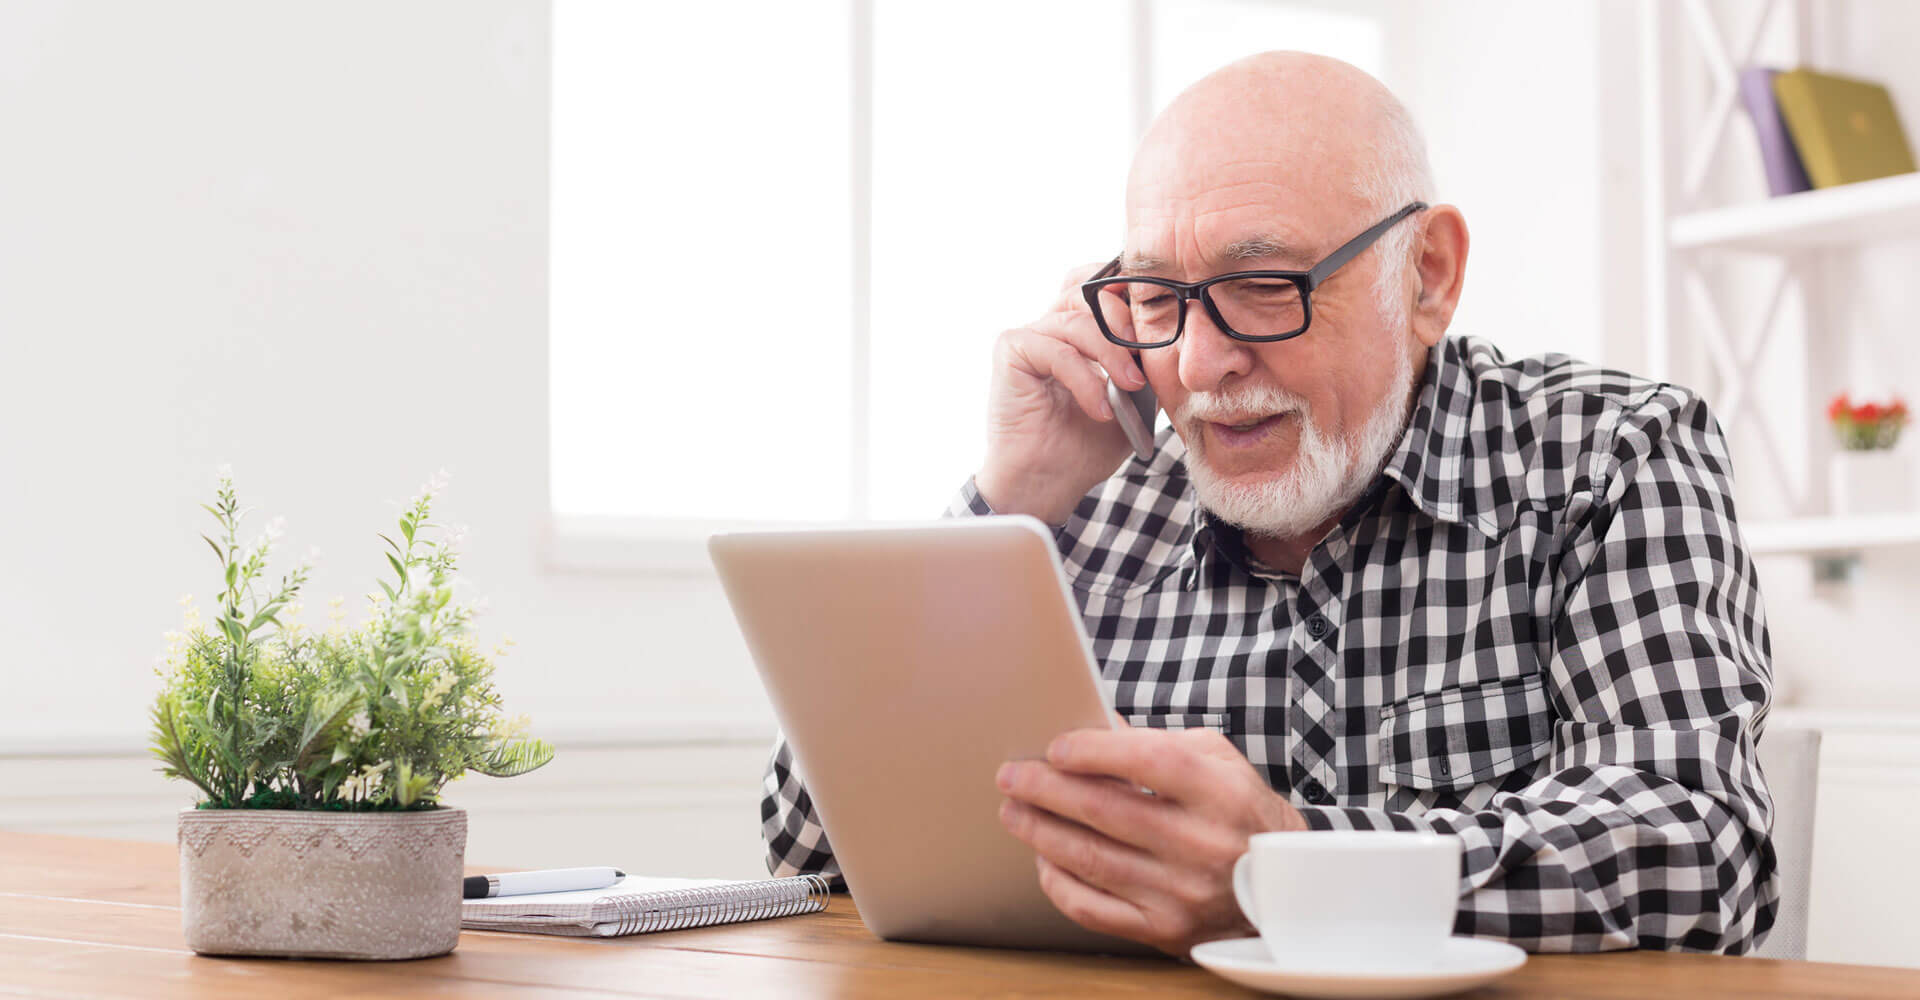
(1846, 129)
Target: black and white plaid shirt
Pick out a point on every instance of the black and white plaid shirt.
(1538, 631)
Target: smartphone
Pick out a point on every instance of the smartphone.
(1133, 410)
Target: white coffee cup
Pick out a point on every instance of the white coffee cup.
(1375, 901)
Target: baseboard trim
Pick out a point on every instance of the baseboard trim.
(566, 731)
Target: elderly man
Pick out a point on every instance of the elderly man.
(1374, 577)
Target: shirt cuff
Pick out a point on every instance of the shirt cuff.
(969, 503)
(1358, 818)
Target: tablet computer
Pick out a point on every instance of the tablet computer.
(906, 664)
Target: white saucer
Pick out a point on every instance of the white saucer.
(1465, 962)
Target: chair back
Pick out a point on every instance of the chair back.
(1790, 761)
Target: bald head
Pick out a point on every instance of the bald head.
(1318, 141)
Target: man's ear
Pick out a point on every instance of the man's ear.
(1441, 269)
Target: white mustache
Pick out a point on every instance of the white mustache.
(1239, 404)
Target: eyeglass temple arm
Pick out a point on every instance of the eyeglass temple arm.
(1325, 268)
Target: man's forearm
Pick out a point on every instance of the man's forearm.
(1565, 865)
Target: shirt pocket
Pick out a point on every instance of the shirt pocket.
(1220, 722)
(1466, 736)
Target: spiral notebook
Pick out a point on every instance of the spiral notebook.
(641, 905)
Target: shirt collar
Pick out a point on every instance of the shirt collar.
(1430, 461)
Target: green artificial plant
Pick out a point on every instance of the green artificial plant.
(262, 713)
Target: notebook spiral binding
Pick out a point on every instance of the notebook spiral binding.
(719, 904)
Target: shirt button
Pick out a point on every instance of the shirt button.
(1316, 793)
(1318, 626)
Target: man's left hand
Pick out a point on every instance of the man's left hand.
(1155, 868)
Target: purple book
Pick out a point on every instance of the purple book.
(1785, 175)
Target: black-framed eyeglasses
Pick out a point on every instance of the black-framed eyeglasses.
(1258, 307)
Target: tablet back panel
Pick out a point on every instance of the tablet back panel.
(906, 664)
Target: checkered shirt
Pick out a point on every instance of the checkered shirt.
(1539, 631)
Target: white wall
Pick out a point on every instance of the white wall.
(685, 810)
(309, 241)
(1508, 96)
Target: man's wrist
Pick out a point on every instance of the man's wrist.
(1013, 493)
(1282, 817)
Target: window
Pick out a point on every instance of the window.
(999, 162)
(707, 359)
(701, 259)
(1192, 38)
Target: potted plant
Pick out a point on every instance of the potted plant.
(321, 755)
(1867, 476)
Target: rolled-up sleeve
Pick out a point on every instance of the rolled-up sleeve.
(796, 842)
(1649, 825)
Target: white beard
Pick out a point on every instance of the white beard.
(1325, 478)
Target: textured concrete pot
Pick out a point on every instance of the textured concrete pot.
(321, 884)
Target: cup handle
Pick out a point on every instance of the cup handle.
(1243, 887)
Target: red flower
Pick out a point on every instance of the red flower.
(1867, 413)
(1898, 409)
(1838, 408)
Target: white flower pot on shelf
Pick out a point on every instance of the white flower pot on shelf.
(1878, 481)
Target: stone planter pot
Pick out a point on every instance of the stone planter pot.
(1870, 482)
(321, 884)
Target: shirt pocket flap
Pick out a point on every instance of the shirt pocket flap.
(1464, 736)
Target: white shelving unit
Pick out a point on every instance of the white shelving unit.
(1888, 208)
(1708, 264)
(1678, 154)
(1831, 535)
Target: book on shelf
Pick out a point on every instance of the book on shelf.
(1845, 130)
(1785, 175)
(636, 905)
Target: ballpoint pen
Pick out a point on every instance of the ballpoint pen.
(549, 880)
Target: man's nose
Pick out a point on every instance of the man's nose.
(1208, 357)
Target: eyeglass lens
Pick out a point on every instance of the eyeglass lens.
(1141, 312)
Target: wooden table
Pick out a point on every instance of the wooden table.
(81, 917)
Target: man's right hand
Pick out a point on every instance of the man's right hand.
(1051, 435)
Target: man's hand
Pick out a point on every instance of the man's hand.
(1051, 435)
(1156, 868)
